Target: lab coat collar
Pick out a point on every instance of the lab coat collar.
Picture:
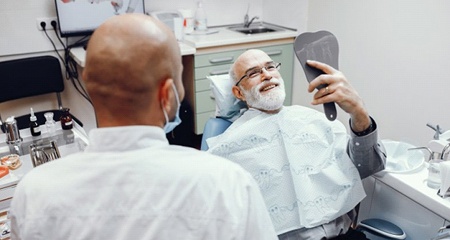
(113, 139)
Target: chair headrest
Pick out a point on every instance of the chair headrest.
(227, 105)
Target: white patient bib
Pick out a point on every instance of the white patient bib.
(299, 159)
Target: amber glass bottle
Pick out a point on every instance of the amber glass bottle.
(66, 119)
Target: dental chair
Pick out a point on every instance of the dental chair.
(227, 108)
(375, 229)
(213, 127)
(30, 77)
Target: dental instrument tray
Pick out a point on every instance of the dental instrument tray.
(320, 46)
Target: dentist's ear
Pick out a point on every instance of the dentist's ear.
(238, 93)
(166, 93)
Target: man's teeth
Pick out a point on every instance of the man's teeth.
(268, 87)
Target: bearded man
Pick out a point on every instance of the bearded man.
(309, 169)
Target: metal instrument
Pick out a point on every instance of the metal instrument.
(41, 154)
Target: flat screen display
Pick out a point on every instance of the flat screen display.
(82, 17)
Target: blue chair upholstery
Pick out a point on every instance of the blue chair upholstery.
(213, 127)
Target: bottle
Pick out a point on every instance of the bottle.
(35, 129)
(200, 18)
(66, 119)
(50, 123)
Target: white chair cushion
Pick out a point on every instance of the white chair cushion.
(227, 105)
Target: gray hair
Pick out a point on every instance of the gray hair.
(233, 74)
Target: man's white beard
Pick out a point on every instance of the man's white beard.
(270, 101)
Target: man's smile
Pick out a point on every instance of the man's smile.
(268, 87)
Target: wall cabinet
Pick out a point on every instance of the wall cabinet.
(217, 63)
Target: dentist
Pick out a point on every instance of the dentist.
(130, 183)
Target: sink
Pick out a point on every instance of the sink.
(256, 29)
(400, 159)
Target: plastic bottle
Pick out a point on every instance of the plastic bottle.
(35, 129)
(66, 119)
(200, 18)
(50, 123)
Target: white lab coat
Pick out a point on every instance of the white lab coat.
(131, 184)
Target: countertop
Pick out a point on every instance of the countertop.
(214, 37)
(414, 186)
(68, 141)
(221, 35)
(79, 54)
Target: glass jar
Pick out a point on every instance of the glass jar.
(66, 119)
(50, 123)
(434, 174)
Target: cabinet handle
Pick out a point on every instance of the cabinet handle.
(272, 53)
(8, 187)
(219, 72)
(221, 60)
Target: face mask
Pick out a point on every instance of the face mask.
(169, 126)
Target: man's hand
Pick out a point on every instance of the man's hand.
(340, 91)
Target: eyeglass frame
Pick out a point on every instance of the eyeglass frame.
(277, 67)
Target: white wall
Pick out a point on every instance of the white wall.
(397, 55)
(219, 12)
(19, 34)
(19, 38)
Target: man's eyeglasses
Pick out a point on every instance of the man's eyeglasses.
(255, 72)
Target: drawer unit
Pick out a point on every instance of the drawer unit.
(219, 63)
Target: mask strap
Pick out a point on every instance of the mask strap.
(166, 116)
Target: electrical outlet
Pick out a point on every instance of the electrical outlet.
(48, 23)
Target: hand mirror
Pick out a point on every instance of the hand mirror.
(320, 46)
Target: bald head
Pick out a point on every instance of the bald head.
(249, 58)
(128, 58)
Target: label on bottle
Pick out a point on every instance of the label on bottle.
(67, 125)
(200, 24)
(36, 130)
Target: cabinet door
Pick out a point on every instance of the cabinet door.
(418, 222)
(201, 82)
(214, 59)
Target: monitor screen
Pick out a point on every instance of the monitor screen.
(82, 17)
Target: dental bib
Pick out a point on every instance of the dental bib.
(300, 162)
